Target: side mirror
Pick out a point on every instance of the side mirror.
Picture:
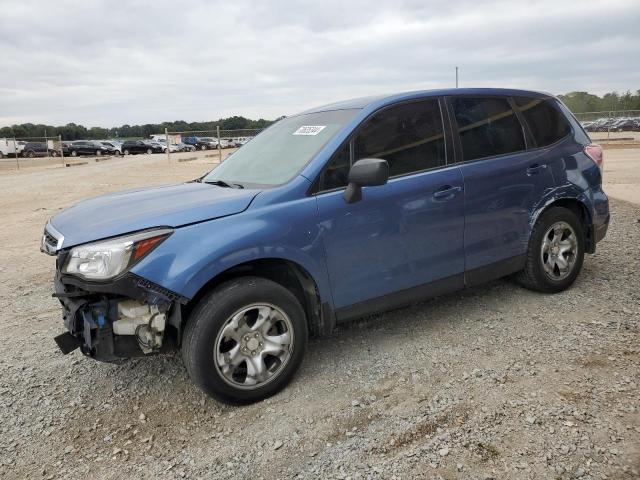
(368, 172)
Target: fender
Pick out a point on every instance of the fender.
(195, 254)
(565, 192)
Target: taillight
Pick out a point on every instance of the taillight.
(594, 152)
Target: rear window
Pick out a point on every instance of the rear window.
(546, 123)
(487, 126)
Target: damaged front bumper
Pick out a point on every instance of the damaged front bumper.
(127, 317)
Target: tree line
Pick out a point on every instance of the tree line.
(578, 102)
(582, 102)
(72, 131)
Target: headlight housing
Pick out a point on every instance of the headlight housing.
(107, 259)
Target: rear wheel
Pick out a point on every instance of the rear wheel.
(245, 340)
(556, 252)
(126, 151)
(149, 151)
(98, 153)
(74, 153)
(31, 154)
(54, 153)
(1, 155)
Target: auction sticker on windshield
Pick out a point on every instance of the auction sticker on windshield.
(309, 130)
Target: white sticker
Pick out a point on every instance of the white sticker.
(309, 130)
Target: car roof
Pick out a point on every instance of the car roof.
(378, 101)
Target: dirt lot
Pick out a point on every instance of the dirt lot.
(495, 382)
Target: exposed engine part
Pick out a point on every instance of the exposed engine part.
(144, 321)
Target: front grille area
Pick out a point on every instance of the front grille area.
(49, 243)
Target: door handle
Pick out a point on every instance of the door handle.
(536, 168)
(446, 192)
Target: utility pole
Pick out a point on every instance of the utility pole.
(166, 142)
(456, 77)
(219, 146)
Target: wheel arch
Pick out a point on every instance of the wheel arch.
(580, 210)
(287, 273)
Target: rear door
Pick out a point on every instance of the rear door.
(401, 236)
(503, 184)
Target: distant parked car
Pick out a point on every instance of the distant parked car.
(116, 147)
(157, 147)
(131, 147)
(207, 143)
(88, 147)
(8, 148)
(240, 141)
(38, 149)
(184, 147)
(626, 125)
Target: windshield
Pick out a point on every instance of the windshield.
(276, 155)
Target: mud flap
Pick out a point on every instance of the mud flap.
(67, 342)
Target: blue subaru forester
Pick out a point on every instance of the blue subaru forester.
(332, 214)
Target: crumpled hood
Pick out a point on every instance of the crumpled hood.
(131, 210)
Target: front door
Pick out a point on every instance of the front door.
(403, 237)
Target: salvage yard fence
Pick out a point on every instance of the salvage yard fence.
(616, 126)
(218, 141)
(17, 152)
(213, 146)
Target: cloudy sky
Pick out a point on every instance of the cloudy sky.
(111, 62)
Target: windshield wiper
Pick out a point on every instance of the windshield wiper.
(222, 183)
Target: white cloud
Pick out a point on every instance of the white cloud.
(108, 63)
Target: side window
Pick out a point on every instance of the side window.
(546, 123)
(337, 171)
(409, 136)
(487, 126)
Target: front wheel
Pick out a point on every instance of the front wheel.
(556, 252)
(126, 151)
(245, 340)
(74, 153)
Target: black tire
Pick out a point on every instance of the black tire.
(74, 153)
(98, 153)
(149, 151)
(208, 318)
(1, 155)
(126, 151)
(203, 147)
(31, 154)
(534, 276)
(54, 153)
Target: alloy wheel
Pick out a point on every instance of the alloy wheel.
(253, 346)
(559, 251)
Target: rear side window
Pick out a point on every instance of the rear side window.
(487, 126)
(546, 123)
(409, 136)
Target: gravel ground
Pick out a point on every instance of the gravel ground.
(495, 382)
